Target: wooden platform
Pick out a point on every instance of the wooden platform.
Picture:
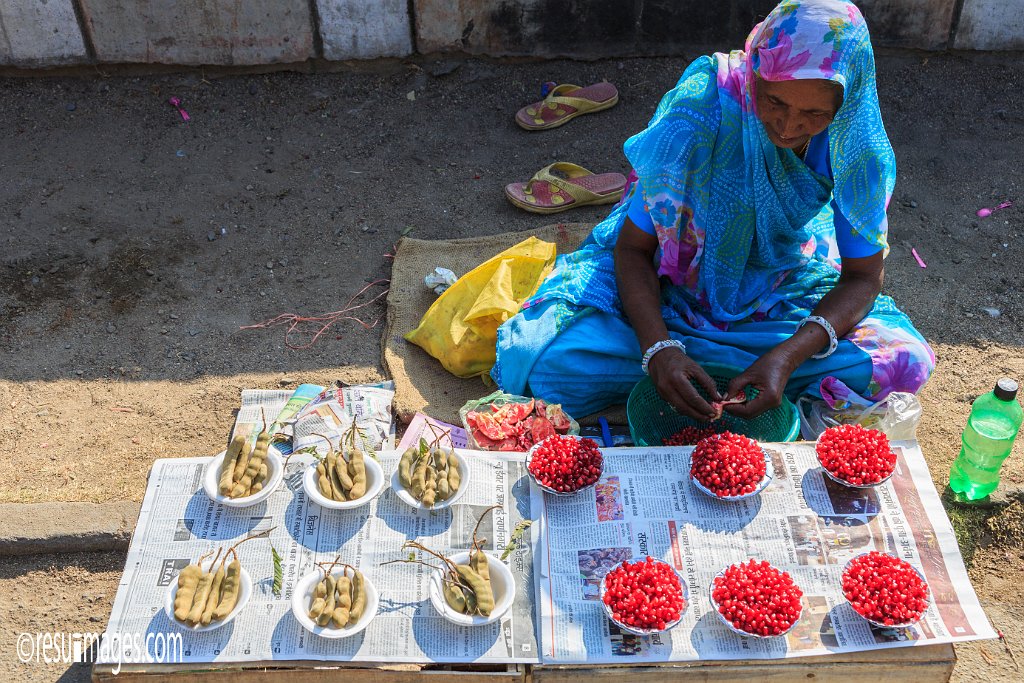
(923, 664)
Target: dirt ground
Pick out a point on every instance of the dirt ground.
(133, 246)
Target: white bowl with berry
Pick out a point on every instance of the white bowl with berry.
(730, 467)
(565, 465)
(662, 603)
(854, 456)
(773, 613)
(888, 592)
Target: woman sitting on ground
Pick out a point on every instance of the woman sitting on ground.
(760, 172)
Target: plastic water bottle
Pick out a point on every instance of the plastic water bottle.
(987, 440)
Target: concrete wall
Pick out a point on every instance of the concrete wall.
(991, 25)
(39, 33)
(47, 33)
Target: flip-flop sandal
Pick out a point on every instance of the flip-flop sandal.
(564, 103)
(562, 186)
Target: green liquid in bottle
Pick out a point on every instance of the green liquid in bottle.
(986, 443)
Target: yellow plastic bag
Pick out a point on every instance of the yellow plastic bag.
(461, 328)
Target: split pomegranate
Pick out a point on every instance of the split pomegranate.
(688, 436)
(728, 464)
(856, 455)
(885, 589)
(646, 594)
(757, 598)
(566, 463)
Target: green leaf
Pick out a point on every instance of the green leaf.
(516, 538)
(406, 230)
(278, 571)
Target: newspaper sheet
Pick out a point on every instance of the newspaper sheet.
(802, 523)
(330, 412)
(178, 523)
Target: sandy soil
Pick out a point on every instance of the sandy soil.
(133, 246)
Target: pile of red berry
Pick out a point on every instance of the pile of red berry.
(565, 463)
(757, 598)
(644, 595)
(728, 464)
(885, 589)
(856, 455)
(688, 436)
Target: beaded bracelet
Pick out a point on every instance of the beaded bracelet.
(659, 346)
(833, 342)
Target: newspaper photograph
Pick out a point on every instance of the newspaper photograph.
(803, 523)
(178, 523)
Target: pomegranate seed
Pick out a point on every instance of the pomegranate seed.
(728, 464)
(885, 589)
(565, 463)
(646, 594)
(688, 436)
(855, 455)
(757, 598)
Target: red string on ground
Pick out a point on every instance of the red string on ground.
(299, 324)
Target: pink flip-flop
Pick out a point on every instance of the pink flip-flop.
(564, 103)
(562, 186)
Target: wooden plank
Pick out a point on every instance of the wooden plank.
(308, 672)
(925, 663)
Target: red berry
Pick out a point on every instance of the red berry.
(566, 463)
(728, 464)
(757, 598)
(885, 589)
(856, 455)
(646, 594)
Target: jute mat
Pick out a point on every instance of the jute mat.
(421, 384)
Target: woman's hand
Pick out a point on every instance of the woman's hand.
(673, 374)
(768, 374)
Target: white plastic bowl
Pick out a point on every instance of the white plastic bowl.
(769, 474)
(244, 593)
(880, 624)
(843, 482)
(302, 597)
(646, 631)
(408, 499)
(211, 480)
(374, 484)
(502, 583)
(543, 487)
(728, 624)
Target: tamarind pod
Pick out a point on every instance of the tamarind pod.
(419, 477)
(405, 466)
(317, 608)
(481, 589)
(357, 469)
(358, 596)
(454, 596)
(252, 468)
(227, 469)
(440, 459)
(429, 496)
(261, 479)
(344, 590)
(188, 580)
(478, 561)
(229, 590)
(341, 473)
(242, 462)
(195, 615)
(321, 589)
(211, 602)
(454, 476)
(340, 617)
(325, 616)
(470, 600)
(334, 469)
(444, 491)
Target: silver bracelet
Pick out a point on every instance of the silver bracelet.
(833, 342)
(660, 346)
